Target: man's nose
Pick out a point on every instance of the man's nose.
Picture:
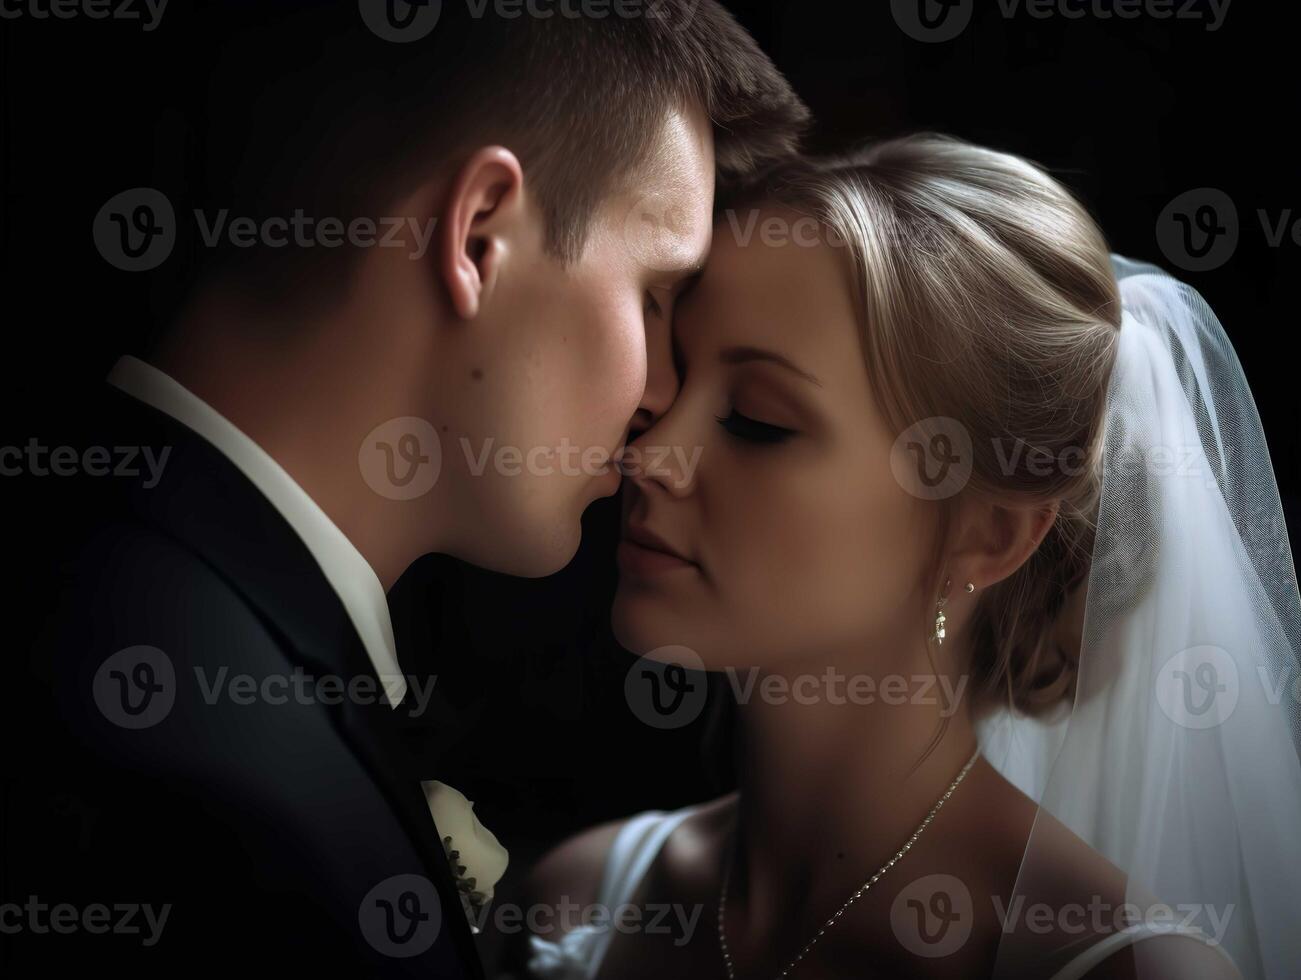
(662, 380)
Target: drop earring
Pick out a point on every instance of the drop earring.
(940, 619)
(938, 633)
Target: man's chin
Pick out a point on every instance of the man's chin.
(550, 554)
(545, 560)
(526, 549)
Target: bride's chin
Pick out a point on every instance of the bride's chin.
(640, 623)
(625, 622)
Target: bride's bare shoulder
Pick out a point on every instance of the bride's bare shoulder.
(1006, 826)
(689, 861)
(573, 869)
(1062, 883)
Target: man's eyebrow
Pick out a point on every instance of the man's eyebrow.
(743, 355)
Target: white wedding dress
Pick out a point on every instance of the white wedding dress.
(579, 953)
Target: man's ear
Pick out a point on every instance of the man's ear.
(997, 539)
(484, 201)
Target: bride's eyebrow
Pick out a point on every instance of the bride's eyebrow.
(743, 355)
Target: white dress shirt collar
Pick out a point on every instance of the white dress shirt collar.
(346, 569)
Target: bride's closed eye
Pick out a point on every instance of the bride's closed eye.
(752, 430)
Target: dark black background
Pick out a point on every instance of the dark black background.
(1130, 113)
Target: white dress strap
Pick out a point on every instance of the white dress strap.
(634, 850)
(579, 954)
(1099, 951)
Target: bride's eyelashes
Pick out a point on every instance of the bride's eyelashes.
(752, 430)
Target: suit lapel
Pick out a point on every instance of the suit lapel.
(206, 503)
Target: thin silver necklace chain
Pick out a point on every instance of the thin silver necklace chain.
(835, 917)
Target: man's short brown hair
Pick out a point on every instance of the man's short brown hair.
(310, 108)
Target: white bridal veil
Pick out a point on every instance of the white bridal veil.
(1178, 761)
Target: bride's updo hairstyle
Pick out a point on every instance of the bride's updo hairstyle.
(986, 296)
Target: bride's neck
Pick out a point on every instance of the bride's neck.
(830, 791)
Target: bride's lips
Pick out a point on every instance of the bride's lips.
(644, 552)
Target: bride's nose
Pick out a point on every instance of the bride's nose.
(660, 460)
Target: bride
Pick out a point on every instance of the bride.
(985, 543)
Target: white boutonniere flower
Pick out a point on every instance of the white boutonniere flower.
(477, 858)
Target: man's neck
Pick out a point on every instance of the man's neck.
(294, 408)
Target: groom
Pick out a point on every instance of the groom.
(220, 753)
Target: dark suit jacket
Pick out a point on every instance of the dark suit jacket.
(273, 829)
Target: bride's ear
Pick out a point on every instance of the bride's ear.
(997, 539)
(484, 206)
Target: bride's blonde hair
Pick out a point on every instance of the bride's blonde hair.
(986, 295)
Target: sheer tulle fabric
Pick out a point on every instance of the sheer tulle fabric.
(1178, 761)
